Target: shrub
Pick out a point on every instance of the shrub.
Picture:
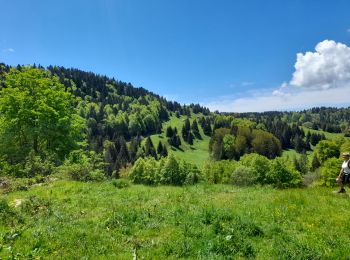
(8, 216)
(83, 166)
(259, 163)
(327, 149)
(282, 175)
(166, 171)
(218, 171)
(244, 176)
(121, 183)
(330, 171)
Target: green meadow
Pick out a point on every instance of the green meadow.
(74, 220)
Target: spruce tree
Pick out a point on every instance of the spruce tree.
(195, 129)
(149, 148)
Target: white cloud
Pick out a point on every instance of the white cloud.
(328, 67)
(280, 100)
(321, 78)
(8, 50)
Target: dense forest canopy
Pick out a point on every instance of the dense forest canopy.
(93, 124)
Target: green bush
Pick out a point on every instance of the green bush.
(329, 172)
(282, 175)
(166, 171)
(218, 171)
(8, 216)
(327, 149)
(259, 163)
(83, 166)
(244, 176)
(120, 183)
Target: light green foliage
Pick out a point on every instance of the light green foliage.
(244, 176)
(259, 163)
(83, 166)
(329, 171)
(345, 146)
(36, 114)
(218, 171)
(282, 175)
(327, 149)
(166, 171)
(229, 145)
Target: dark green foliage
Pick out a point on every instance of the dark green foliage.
(173, 138)
(206, 125)
(162, 150)
(149, 149)
(301, 164)
(195, 129)
(120, 183)
(315, 164)
(169, 131)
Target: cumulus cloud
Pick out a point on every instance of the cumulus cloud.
(328, 67)
(321, 78)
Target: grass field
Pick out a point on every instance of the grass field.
(330, 136)
(196, 153)
(74, 220)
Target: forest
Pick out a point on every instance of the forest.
(60, 126)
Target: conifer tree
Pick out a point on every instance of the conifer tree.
(149, 148)
(195, 129)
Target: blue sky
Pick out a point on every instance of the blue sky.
(228, 55)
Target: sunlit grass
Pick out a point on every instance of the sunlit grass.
(69, 219)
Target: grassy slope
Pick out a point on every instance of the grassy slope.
(96, 220)
(331, 136)
(197, 153)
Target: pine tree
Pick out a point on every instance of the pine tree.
(195, 129)
(315, 163)
(169, 132)
(149, 148)
(160, 148)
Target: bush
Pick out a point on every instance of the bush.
(244, 176)
(330, 171)
(166, 171)
(259, 163)
(218, 171)
(282, 175)
(83, 166)
(121, 183)
(327, 149)
(8, 216)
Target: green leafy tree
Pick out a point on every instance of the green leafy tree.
(330, 171)
(37, 114)
(326, 149)
(259, 163)
(282, 175)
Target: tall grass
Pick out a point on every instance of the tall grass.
(67, 219)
